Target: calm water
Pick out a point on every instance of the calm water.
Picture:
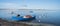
(52, 17)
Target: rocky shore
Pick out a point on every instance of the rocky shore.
(6, 23)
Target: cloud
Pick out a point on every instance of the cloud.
(11, 5)
(7, 5)
(32, 5)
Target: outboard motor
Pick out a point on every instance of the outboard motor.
(18, 15)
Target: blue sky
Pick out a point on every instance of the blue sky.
(30, 4)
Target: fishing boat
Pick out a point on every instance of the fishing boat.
(23, 18)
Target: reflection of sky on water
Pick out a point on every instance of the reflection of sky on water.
(45, 16)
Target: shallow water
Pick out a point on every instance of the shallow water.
(52, 17)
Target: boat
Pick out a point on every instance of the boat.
(23, 18)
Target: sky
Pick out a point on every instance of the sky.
(30, 4)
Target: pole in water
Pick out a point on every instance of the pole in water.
(31, 11)
(12, 12)
(39, 20)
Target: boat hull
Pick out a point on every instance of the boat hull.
(22, 19)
